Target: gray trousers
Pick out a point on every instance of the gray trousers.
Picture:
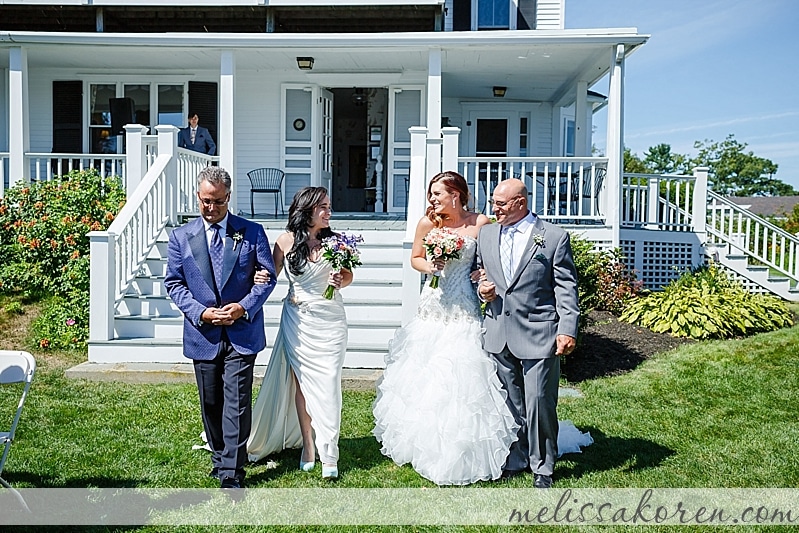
(532, 387)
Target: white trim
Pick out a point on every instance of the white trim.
(421, 40)
(226, 137)
(217, 3)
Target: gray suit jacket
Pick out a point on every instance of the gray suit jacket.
(539, 303)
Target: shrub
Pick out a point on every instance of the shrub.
(705, 303)
(64, 323)
(44, 247)
(603, 280)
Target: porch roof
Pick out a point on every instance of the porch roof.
(535, 65)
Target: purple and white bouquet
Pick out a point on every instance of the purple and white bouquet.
(341, 251)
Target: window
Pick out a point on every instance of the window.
(493, 14)
(100, 138)
(523, 136)
(568, 140)
(167, 99)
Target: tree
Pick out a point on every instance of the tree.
(633, 163)
(660, 160)
(735, 172)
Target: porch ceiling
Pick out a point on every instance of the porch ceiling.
(534, 66)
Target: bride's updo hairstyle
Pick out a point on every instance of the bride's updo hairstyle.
(454, 183)
(300, 219)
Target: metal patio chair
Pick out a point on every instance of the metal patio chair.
(269, 180)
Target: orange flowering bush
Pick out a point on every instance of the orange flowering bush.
(44, 246)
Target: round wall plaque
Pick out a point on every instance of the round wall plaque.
(299, 124)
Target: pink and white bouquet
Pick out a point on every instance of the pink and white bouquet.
(341, 251)
(442, 243)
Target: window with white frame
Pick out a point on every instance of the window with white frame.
(568, 137)
(153, 103)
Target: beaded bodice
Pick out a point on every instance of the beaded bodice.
(456, 296)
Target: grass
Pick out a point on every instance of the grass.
(710, 414)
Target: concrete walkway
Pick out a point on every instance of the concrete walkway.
(361, 379)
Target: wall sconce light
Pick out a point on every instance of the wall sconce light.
(499, 92)
(305, 63)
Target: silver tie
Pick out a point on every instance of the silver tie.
(506, 253)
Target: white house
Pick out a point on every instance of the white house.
(368, 99)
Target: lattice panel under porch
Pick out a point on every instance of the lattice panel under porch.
(663, 262)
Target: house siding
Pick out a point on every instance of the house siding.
(4, 110)
(257, 126)
(550, 15)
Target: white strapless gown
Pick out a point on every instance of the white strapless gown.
(440, 405)
(311, 343)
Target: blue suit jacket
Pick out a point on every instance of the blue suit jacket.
(190, 283)
(202, 140)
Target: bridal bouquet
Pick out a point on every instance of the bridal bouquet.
(442, 243)
(341, 251)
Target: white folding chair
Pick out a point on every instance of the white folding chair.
(15, 367)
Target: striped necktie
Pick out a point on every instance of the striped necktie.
(506, 252)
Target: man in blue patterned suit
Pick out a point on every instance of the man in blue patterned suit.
(195, 137)
(210, 277)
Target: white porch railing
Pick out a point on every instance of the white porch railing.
(753, 236)
(190, 164)
(559, 188)
(118, 253)
(658, 201)
(46, 167)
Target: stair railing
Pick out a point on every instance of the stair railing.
(753, 236)
(118, 253)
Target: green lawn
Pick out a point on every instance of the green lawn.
(711, 414)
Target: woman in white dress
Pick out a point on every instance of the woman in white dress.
(305, 366)
(440, 405)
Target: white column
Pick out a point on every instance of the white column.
(699, 210)
(581, 123)
(450, 157)
(135, 156)
(411, 279)
(434, 93)
(102, 280)
(226, 146)
(168, 145)
(18, 130)
(615, 144)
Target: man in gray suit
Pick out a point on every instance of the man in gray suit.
(530, 284)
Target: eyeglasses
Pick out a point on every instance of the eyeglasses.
(500, 203)
(207, 202)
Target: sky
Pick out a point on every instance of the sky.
(710, 68)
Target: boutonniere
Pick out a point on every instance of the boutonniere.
(237, 238)
(539, 240)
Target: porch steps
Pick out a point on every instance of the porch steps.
(148, 325)
(758, 275)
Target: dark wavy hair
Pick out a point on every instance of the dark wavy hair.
(455, 183)
(300, 216)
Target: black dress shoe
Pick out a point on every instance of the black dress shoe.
(542, 481)
(230, 483)
(214, 473)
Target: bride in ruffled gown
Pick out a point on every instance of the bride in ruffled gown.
(299, 403)
(440, 405)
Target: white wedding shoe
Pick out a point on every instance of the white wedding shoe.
(329, 471)
(306, 466)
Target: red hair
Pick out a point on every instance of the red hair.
(454, 183)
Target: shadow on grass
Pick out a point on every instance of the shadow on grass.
(598, 356)
(610, 453)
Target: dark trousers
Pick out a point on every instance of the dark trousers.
(225, 385)
(532, 387)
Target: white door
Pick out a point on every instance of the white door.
(324, 111)
(406, 108)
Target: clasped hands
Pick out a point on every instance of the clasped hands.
(224, 316)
